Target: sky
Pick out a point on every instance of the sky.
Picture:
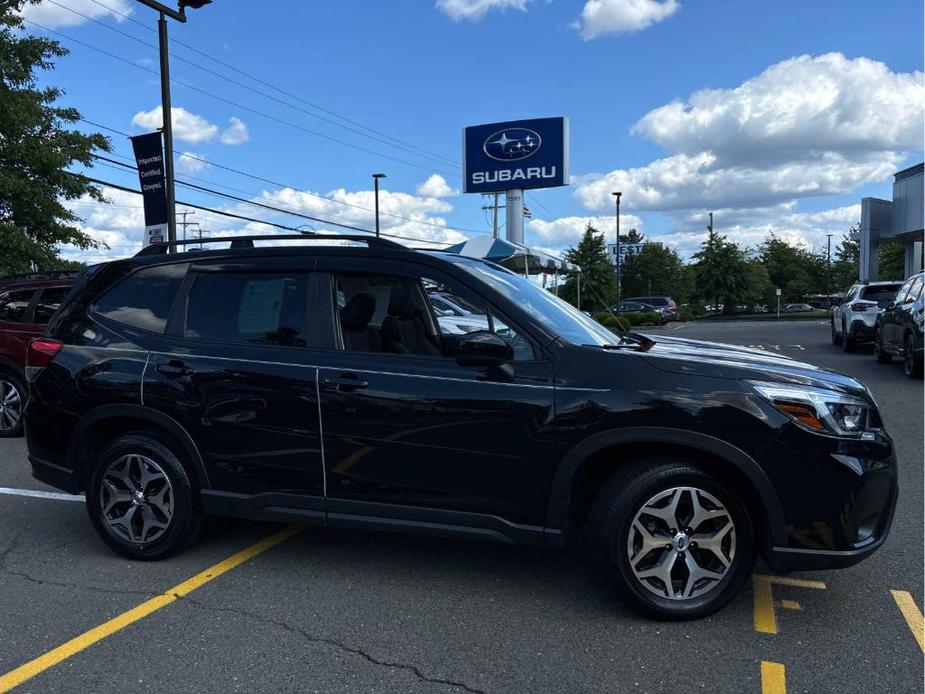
(778, 117)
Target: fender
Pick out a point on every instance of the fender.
(560, 492)
(147, 414)
(10, 365)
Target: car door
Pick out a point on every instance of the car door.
(415, 438)
(16, 329)
(892, 317)
(905, 310)
(236, 370)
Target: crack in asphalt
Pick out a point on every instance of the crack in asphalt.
(413, 669)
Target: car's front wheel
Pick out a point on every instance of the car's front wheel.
(912, 364)
(140, 499)
(679, 541)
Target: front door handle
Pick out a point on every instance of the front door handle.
(174, 369)
(344, 383)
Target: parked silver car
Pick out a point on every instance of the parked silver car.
(853, 320)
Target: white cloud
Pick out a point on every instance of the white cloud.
(600, 17)
(236, 133)
(187, 126)
(191, 162)
(474, 10)
(55, 16)
(436, 187)
(794, 109)
(565, 232)
(805, 127)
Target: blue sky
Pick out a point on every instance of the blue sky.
(813, 105)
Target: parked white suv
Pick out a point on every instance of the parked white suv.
(853, 320)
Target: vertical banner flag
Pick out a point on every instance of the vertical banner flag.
(149, 156)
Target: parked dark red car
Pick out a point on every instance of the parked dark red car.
(27, 302)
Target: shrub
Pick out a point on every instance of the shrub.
(687, 313)
(640, 318)
(609, 320)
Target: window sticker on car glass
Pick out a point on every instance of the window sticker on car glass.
(261, 301)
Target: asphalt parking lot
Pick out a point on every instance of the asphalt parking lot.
(331, 611)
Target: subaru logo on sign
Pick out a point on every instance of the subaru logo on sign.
(512, 144)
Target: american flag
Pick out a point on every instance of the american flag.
(527, 213)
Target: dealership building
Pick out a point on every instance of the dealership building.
(898, 220)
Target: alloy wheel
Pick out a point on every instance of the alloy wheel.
(681, 544)
(10, 405)
(136, 499)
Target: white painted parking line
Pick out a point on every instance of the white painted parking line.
(41, 495)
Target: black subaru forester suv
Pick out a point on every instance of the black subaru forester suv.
(315, 383)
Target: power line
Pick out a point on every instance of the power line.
(416, 151)
(276, 88)
(286, 185)
(231, 102)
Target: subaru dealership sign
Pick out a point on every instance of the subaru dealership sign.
(515, 155)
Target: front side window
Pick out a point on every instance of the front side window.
(903, 292)
(915, 289)
(49, 301)
(423, 317)
(13, 305)
(143, 299)
(252, 308)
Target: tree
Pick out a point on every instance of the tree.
(846, 261)
(598, 280)
(722, 271)
(892, 261)
(795, 270)
(632, 237)
(656, 270)
(36, 149)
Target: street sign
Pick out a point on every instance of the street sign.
(515, 155)
(149, 157)
(777, 291)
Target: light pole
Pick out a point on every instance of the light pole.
(828, 271)
(617, 196)
(376, 177)
(166, 114)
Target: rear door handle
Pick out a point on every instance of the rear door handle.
(344, 383)
(174, 369)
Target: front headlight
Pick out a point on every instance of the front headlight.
(819, 410)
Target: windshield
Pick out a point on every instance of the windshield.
(558, 316)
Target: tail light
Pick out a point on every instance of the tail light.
(862, 306)
(42, 351)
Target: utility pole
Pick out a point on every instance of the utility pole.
(494, 207)
(617, 196)
(828, 271)
(166, 113)
(710, 225)
(184, 223)
(376, 177)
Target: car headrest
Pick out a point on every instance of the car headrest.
(403, 301)
(355, 316)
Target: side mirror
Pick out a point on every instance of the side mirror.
(482, 348)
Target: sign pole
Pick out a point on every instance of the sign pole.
(514, 214)
(167, 114)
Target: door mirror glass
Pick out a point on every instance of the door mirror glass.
(482, 348)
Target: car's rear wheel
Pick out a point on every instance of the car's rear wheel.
(881, 355)
(12, 402)
(912, 364)
(836, 338)
(140, 499)
(847, 342)
(679, 541)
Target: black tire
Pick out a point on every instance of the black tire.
(836, 338)
(186, 520)
(13, 397)
(612, 516)
(847, 342)
(881, 355)
(912, 364)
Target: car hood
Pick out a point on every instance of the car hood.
(717, 359)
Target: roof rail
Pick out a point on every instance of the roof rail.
(49, 275)
(239, 242)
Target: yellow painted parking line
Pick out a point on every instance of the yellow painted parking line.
(25, 672)
(765, 619)
(790, 605)
(912, 613)
(773, 678)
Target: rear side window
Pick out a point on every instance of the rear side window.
(254, 308)
(13, 305)
(143, 300)
(49, 301)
